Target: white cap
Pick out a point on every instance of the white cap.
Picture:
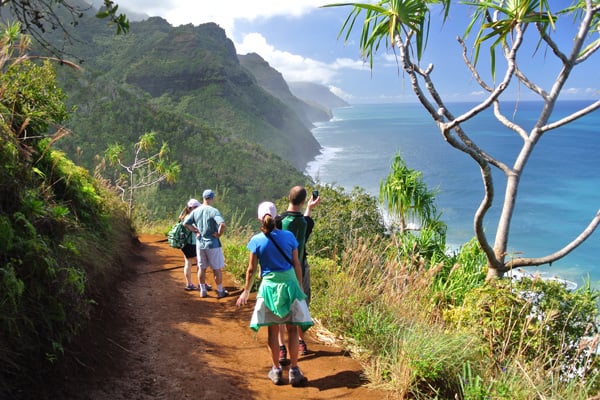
(266, 208)
(193, 203)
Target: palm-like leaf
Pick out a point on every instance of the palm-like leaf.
(509, 14)
(386, 20)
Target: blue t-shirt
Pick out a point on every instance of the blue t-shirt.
(207, 219)
(269, 257)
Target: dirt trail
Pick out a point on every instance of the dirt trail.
(166, 343)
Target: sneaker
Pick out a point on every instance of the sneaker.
(297, 378)
(275, 375)
(283, 360)
(302, 349)
(222, 293)
(190, 287)
(208, 287)
(203, 293)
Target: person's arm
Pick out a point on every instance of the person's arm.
(250, 273)
(220, 230)
(311, 203)
(188, 224)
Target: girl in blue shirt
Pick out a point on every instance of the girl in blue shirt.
(280, 300)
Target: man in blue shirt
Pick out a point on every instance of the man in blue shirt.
(208, 225)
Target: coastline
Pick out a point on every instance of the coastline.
(555, 202)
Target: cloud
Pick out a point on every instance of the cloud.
(295, 67)
(225, 14)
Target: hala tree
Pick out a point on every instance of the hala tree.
(407, 197)
(505, 26)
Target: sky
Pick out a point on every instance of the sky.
(299, 38)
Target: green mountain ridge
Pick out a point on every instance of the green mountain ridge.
(187, 84)
(273, 82)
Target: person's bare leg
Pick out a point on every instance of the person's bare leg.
(281, 335)
(201, 275)
(218, 278)
(187, 270)
(292, 332)
(273, 344)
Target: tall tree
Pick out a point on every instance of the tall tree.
(403, 24)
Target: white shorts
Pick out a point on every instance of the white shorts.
(211, 258)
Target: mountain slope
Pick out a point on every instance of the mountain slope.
(196, 69)
(314, 93)
(272, 81)
(187, 85)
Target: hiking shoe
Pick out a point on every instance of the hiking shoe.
(297, 378)
(283, 360)
(203, 293)
(302, 349)
(190, 287)
(222, 293)
(275, 375)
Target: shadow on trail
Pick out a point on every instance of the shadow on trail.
(342, 379)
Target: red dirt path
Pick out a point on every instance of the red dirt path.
(165, 343)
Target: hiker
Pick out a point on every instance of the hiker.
(189, 249)
(301, 225)
(208, 226)
(280, 299)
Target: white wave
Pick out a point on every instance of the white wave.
(313, 168)
(518, 274)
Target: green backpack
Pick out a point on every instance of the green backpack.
(178, 235)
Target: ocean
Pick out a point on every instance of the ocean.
(559, 190)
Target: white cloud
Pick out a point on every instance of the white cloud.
(225, 14)
(295, 67)
(340, 93)
(571, 91)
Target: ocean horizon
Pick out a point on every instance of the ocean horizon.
(559, 191)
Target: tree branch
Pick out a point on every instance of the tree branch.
(549, 259)
(508, 123)
(572, 117)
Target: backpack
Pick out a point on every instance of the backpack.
(178, 235)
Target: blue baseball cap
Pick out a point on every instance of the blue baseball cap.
(208, 194)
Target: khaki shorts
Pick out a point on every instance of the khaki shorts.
(211, 258)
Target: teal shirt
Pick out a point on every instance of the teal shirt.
(207, 219)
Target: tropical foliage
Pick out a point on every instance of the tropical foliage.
(144, 169)
(506, 26)
(56, 223)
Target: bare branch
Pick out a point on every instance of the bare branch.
(587, 53)
(529, 84)
(484, 206)
(508, 123)
(524, 262)
(546, 38)
(578, 42)
(510, 57)
(471, 67)
(572, 117)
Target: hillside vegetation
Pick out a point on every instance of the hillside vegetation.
(56, 224)
(187, 85)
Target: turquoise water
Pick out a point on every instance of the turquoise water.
(559, 191)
